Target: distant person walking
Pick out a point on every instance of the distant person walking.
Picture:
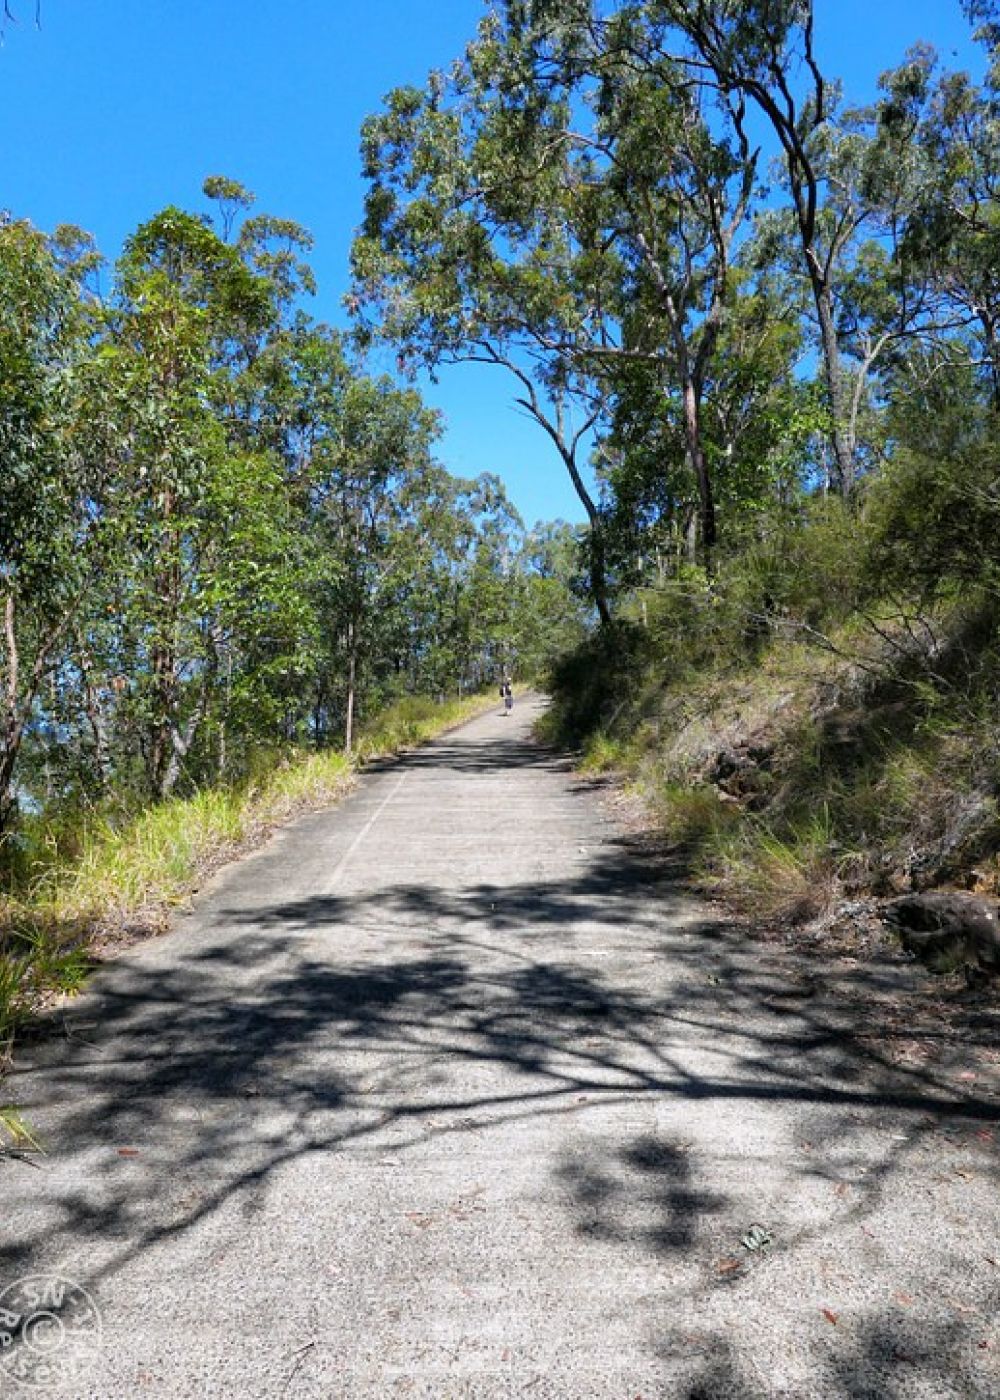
(508, 698)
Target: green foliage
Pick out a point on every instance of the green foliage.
(222, 541)
(218, 536)
(935, 510)
(847, 655)
(602, 754)
(596, 686)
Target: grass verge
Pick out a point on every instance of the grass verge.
(125, 877)
(802, 780)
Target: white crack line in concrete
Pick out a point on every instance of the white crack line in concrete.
(341, 865)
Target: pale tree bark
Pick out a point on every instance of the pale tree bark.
(20, 690)
(352, 677)
(95, 712)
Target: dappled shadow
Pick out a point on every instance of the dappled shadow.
(617, 885)
(645, 1194)
(455, 755)
(415, 1014)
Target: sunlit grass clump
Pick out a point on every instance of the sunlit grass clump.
(788, 875)
(152, 860)
(413, 720)
(113, 875)
(603, 754)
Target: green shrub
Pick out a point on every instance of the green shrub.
(935, 508)
(597, 686)
(788, 875)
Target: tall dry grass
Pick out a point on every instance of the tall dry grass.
(126, 875)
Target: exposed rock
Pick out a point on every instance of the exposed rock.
(742, 769)
(947, 930)
(972, 831)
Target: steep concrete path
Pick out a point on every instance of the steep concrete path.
(446, 1092)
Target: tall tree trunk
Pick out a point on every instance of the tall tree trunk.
(598, 573)
(163, 709)
(12, 727)
(352, 672)
(166, 588)
(993, 351)
(566, 445)
(10, 744)
(842, 475)
(596, 553)
(795, 120)
(699, 467)
(223, 759)
(96, 717)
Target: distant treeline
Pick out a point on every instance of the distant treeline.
(217, 534)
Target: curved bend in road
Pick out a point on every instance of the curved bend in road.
(447, 1093)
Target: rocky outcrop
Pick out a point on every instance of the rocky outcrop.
(970, 832)
(742, 770)
(948, 930)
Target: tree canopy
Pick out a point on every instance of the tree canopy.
(218, 534)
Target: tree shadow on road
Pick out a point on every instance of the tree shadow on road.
(330, 1028)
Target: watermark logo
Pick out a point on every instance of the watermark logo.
(50, 1330)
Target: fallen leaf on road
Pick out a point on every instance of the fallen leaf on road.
(985, 1344)
(128, 1152)
(968, 1074)
(728, 1266)
(904, 1299)
(831, 1317)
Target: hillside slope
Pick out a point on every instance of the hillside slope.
(814, 775)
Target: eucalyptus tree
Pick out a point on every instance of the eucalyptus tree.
(488, 582)
(681, 176)
(364, 472)
(198, 515)
(458, 261)
(52, 545)
(563, 203)
(764, 50)
(553, 614)
(877, 302)
(950, 239)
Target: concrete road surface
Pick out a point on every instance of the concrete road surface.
(448, 1092)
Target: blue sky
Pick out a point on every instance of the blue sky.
(115, 108)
